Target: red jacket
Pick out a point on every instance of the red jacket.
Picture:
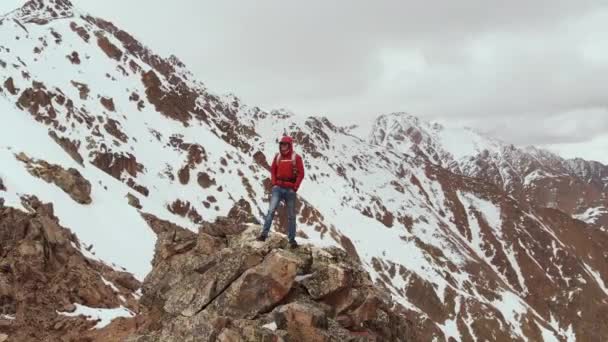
(282, 170)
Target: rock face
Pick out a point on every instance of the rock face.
(44, 275)
(234, 288)
(70, 180)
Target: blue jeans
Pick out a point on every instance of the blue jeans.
(278, 194)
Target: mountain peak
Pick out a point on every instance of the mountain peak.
(42, 11)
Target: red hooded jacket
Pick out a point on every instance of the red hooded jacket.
(282, 170)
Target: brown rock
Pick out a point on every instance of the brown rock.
(207, 244)
(127, 280)
(70, 147)
(229, 335)
(113, 127)
(115, 163)
(184, 175)
(110, 49)
(326, 281)
(10, 86)
(133, 201)
(198, 289)
(83, 89)
(74, 58)
(81, 31)
(173, 104)
(260, 288)
(241, 212)
(108, 103)
(70, 180)
(205, 181)
(46, 273)
(260, 159)
(303, 322)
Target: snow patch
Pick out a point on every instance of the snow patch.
(513, 310)
(536, 175)
(568, 334)
(548, 335)
(110, 284)
(103, 316)
(272, 326)
(598, 278)
(591, 215)
(303, 277)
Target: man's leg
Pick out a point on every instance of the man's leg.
(291, 216)
(274, 202)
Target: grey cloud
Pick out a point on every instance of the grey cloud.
(485, 64)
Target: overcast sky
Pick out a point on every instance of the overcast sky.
(526, 71)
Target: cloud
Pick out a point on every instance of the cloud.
(530, 71)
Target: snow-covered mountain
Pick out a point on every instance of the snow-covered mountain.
(473, 238)
(529, 174)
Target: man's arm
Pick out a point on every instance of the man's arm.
(273, 172)
(300, 167)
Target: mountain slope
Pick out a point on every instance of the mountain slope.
(462, 253)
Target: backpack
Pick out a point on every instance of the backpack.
(294, 169)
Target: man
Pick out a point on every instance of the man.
(287, 173)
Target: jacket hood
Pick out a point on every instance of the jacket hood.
(288, 140)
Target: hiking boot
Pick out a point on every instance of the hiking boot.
(261, 237)
(293, 244)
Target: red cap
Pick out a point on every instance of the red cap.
(287, 139)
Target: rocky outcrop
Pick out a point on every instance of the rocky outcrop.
(115, 163)
(70, 180)
(110, 49)
(44, 276)
(133, 201)
(83, 89)
(9, 84)
(174, 105)
(108, 103)
(70, 147)
(234, 288)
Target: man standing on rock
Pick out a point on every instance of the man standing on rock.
(287, 173)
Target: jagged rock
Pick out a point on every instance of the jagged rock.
(115, 163)
(303, 322)
(207, 244)
(43, 273)
(241, 212)
(83, 89)
(326, 280)
(260, 288)
(223, 227)
(127, 281)
(229, 288)
(70, 180)
(205, 181)
(133, 201)
(110, 49)
(9, 84)
(198, 289)
(70, 147)
(108, 103)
